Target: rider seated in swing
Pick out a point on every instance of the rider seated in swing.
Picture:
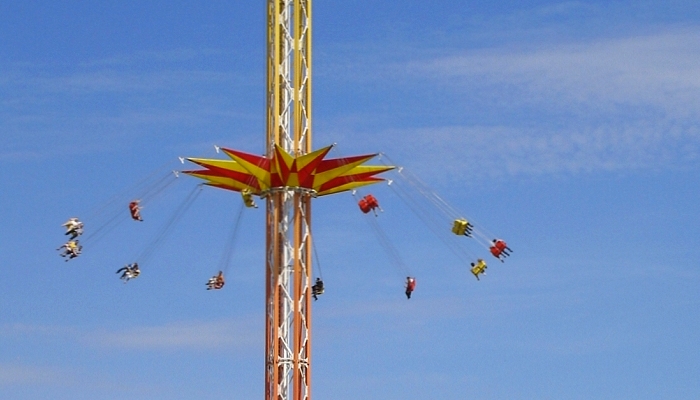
(129, 271)
(479, 268)
(216, 282)
(71, 249)
(74, 228)
(317, 289)
(410, 286)
(248, 198)
(499, 249)
(135, 210)
(501, 245)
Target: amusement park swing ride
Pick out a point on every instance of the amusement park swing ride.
(286, 179)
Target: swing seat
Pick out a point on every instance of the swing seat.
(479, 268)
(459, 227)
(248, 198)
(368, 203)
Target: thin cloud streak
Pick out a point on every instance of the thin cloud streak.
(15, 156)
(193, 336)
(190, 335)
(15, 374)
(116, 81)
(661, 70)
(498, 152)
(608, 105)
(150, 57)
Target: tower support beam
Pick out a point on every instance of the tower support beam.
(288, 236)
(288, 176)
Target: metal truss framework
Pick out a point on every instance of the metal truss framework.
(288, 238)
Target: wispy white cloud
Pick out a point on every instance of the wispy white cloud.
(493, 152)
(190, 335)
(150, 57)
(19, 156)
(187, 335)
(590, 341)
(118, 100)
(662, 70)
(604, 105)
(21, 375)
(114, 80)
(18, 374)
(42, 330)
(123, 75)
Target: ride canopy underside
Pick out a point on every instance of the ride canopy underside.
(260, 175)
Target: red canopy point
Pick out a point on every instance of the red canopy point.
(368, 203)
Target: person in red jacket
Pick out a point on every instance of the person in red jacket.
(135, 210)
(216, 282)
(410, 286)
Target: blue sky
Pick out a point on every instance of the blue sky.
(570, 129)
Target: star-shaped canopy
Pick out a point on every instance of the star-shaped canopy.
(310, 171)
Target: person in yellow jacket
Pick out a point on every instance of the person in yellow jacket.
(248, 198)
(479, 268)
(71, 249)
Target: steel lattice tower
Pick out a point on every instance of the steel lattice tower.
(288, 237)
(288, 176)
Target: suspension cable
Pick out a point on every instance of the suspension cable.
(438, 231)
(117, 215)
(479, 233)
(184, 206)
(225, 260)
(120, 196)
(394, 256)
